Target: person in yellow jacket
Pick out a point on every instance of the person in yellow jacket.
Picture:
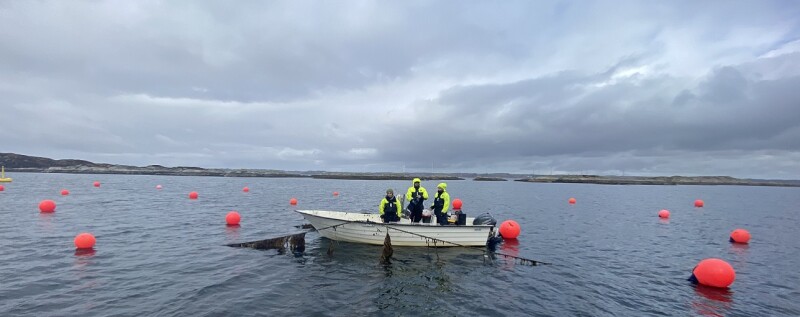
(390, 208)
(441, 203)
(415, 195)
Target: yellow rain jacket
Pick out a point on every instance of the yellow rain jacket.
(411, 191)
(387, 205)
(441, 200)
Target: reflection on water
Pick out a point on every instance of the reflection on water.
(712, 301)
(82, 264)
(740, 249)
(232, 233)
(509, 247)
(46, 221)
(85, 252)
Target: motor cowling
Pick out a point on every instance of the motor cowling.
(484, 219)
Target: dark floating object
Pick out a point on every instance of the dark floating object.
(295, 242)
(386, 254)
(331, 248)
(305, 226)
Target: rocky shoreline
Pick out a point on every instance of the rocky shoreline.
(31, 164)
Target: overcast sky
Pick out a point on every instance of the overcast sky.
(598, 87)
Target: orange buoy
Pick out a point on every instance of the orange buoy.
(293, 201)
(246, 189)
(47, 205)
(713, 272)
(158, 187)
(699, 203)
(509, 229)
(740, 236)
(663, 213)
(64, 192)
(233, 218)
(2, 188)
(572, 200)
(84, 241)
(96, 184)
(457, 203)
(336, 193)
(193, 195)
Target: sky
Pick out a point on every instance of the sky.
(652, 88)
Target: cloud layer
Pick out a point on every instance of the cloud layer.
(607, 87)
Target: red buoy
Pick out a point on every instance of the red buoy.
(2, 188)
(457, 203)
(96, 184)
(572, 201)
(47, 205)
(699, 203)
(84, 241)
(193, 195)
(246, 189)
(336, 193)
(663, 213)
(713, 272)
(293, 201)
(509, 229)
(233, 218)
(740, 236)
(158, 187)
(64, 192)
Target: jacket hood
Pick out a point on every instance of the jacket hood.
(443, 186)
(416, 180)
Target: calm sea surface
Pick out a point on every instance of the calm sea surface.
(160, 254)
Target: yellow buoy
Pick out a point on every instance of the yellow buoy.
(3, 178)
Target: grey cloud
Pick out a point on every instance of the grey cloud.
(566, 115)
(512, 86)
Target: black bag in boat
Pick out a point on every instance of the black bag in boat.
(484, 219)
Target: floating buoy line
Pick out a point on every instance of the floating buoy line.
(710, 272)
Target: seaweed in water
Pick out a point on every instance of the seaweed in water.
(387, 252)
(305, 226)
(295, 242)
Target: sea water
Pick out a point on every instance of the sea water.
(158, 253)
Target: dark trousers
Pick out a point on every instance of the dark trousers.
(416, 215)
(390, 217)
(416, 211)
(441, 218)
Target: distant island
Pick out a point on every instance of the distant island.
(32, 164)
(658, 180)
(489, 179)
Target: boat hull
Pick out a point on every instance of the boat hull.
(368, 229)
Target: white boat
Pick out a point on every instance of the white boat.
(369, 229)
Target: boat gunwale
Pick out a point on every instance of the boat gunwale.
(305, 212)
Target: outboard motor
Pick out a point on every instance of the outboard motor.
(484, 219)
